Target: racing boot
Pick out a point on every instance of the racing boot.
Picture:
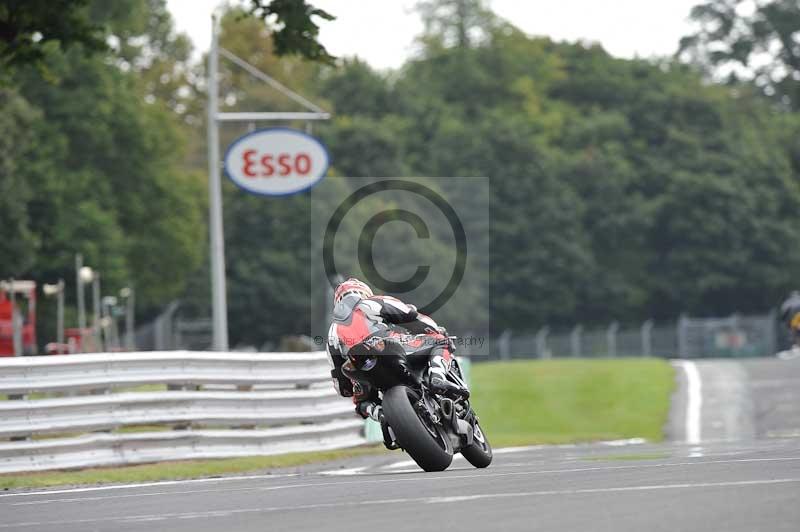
(444, 387)
(388, 437)
(438, 366)
(373, 411)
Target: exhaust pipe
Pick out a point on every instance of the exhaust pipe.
(447, 408)
(449, 412)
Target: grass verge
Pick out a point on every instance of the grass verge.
(564, 401)
(177, 470)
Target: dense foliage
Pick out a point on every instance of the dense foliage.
(91, 164)
(756, 42)
(29, 29)
(620, 189)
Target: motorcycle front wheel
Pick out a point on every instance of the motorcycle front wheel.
(423, 440)
(479, 453)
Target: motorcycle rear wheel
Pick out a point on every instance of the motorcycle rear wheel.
(424, 441)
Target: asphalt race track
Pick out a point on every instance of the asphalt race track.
(742, 475)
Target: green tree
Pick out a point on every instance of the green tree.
(28, 28)
(354, 88)
(267, 249)
(453, 23)
(19, 245)
(294, 30)
(750, 41)
(365, 146)
(118, 160)
(620, 189)
(91, 164)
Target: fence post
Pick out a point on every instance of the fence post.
(647, 338)
(772, 344)
(504, 345)
(611, 339)
(733, 342)
(575, 340)
(177, 334)
(683, 340)
(541, 342)
(164, 330)
(19, 397)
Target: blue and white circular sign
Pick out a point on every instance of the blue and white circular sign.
(276, 162)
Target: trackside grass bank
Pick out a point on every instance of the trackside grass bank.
(562, 401)
(177, 470)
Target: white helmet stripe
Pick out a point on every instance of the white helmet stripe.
(427, 320)
(396, 303)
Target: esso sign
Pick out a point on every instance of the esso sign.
(276, 162)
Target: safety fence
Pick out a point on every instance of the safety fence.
(647, 339)
(687, 337)
(125, 408)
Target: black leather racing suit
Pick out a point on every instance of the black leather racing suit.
(375, 313)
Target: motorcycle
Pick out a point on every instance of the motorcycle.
(430, 423)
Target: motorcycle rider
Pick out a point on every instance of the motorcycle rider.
(790, 314)
(357, 315)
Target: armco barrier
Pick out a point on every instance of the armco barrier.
(22, 375)
(107, 412)
(95, 450)
(305, 414)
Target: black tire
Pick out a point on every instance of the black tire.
(479, 453)
(431, 453)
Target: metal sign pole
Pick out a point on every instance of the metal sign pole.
(219, 304)
(130, 343)
(97, 327)
(60, 316)
(16, 326)
(81, 304)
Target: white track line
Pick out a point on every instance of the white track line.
(694, 402)
(422, 477)
(342, 472)
(509, 450)
(423, 500)
(398, 465)
(147, 485)
(526, 448)
(408, 464)
(405, 464)
(624, 443)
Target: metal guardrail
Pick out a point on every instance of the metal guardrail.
(213, 424)
(22, 375)
(107, 412)
(94, 450)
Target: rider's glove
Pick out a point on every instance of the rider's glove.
(368, 409)
(375, 412)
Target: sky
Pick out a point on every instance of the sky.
(382, 32)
